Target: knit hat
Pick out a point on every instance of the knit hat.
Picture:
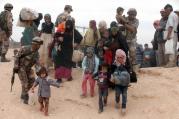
(90, 50)
(120, 54)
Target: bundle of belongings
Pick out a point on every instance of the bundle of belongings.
(26, 14)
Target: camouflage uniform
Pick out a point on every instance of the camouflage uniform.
(25, 73)
(131, 41)
(5, 30)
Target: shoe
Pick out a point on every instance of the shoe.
(59, 80)
(117, 106)
(123, 112)
(100, 111)
(83, 96)
(70, 79)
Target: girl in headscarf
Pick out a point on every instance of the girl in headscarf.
(47, 36)
(121, 79)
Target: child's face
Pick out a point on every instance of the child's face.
(106, 34)
(43, 75)
(120, 12)
(48, 20)
(119, 59)
(89, 54)
(104, 68)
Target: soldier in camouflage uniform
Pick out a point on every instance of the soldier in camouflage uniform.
(131, 24)
(24, 61)
(5, 30)
(64, 16)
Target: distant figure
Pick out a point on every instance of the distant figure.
(64, 16)
(146, 56)
(44, 92)
(171, 26)
(139, 55)
(102, 26)
(6, 20)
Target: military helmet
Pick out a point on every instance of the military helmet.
(8, 6)
(132, 11)
(37, 40)
(68, 7)
(47, 16)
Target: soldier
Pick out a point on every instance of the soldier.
(25, 59)
(131, 24)
(5, 30)
(64, 16)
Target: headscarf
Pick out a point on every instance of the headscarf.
(93, 26)
(120, 53)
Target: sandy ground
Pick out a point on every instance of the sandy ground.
(155, 96)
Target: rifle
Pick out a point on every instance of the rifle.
(12, 80)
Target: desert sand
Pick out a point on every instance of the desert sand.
(154, 96)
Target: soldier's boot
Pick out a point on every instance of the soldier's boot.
(26, 99)
(3, 58)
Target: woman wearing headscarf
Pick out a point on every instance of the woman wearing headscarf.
(47, 32)
(91, 36)
(63, 56)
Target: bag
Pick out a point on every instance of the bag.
(77, 56)
(169, 47)
(165, 33)
(32, 98)
(121, 78)
(133, 77)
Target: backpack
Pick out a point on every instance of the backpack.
(3, 21)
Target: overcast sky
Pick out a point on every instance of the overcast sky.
(85, 10)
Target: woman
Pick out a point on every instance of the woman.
(63, 56)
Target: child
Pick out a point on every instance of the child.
(121, 79)
(102, 79)
(119, 14)
(90, 65)
(44, 89)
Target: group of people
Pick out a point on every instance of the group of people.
(164, 52)
(106, 50)
(109, 53)
(166, 37)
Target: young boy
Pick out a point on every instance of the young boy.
(102, 78)
(90, 65)
(121, 79)
(44, 89)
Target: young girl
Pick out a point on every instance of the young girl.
(102, 78)
(121, 79)
(90, 66)
(44, 89)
